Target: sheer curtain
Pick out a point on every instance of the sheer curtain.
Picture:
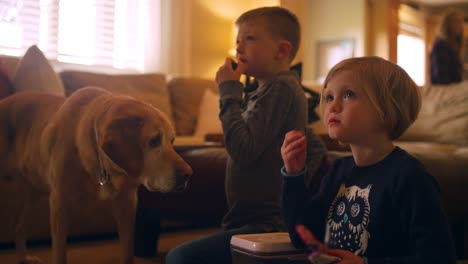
(137, 35)
(176, 34)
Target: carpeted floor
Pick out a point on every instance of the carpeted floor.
(106, 251)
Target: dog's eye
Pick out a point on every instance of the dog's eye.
(155, 141)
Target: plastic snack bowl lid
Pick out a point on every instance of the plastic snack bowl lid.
(264, 243)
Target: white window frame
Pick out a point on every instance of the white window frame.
(411, 55)
(411, 44)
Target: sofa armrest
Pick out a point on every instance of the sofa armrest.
(215, 138)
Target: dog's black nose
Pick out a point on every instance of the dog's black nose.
(183, 178)
(183, 173)
(182, 185)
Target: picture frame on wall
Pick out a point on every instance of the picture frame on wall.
(330, 52)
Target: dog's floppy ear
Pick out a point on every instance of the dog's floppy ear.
(121, 148)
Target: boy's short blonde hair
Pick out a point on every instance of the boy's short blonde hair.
(390, 89)
(281, 23)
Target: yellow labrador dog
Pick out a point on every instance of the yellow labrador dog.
(91, 145)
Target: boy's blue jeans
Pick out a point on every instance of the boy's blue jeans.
(214, 248)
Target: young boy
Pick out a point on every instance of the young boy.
(254, 129)
(379, 205)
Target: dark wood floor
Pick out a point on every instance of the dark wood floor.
(106, 251)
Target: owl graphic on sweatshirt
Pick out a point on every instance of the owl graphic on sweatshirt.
(348, 219)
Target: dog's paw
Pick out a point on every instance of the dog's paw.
(31, 260)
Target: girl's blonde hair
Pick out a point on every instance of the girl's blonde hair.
(392, 92)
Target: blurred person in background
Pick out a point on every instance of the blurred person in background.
(446, 58)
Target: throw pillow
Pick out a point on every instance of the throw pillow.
(9, 65)
(186, 94)
(443, 117)
(34, 73)
(208, 119)
(6, 87)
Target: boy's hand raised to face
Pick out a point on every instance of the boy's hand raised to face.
(226, 71)
(294, 151)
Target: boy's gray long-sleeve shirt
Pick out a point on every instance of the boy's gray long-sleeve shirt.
(254, 130)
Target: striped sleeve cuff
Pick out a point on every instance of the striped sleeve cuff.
(285, 173)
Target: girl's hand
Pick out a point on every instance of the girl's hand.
(347, 257)
(309, 239)
(294, 151)
(226, 72)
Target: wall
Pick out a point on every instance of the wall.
(212, 32)
(384, 28)
(205, 30)
(373, 24)
(331, 20)
(298, 8)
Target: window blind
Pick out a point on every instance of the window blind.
(89, 32)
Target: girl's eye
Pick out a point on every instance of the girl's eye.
(155, 141)
(349, 94)
(328, 98)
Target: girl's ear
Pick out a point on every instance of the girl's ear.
(284, 49)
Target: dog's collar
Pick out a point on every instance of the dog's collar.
(104, 177)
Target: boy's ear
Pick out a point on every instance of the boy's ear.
(284, 49)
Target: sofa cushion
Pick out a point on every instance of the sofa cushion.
(447, 164)
(208, 115)
(186, 95)
(443, 117)
(8, 65)
(6, 86)
(150, 88)
(34, 73)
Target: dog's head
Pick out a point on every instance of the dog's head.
(135, 146)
